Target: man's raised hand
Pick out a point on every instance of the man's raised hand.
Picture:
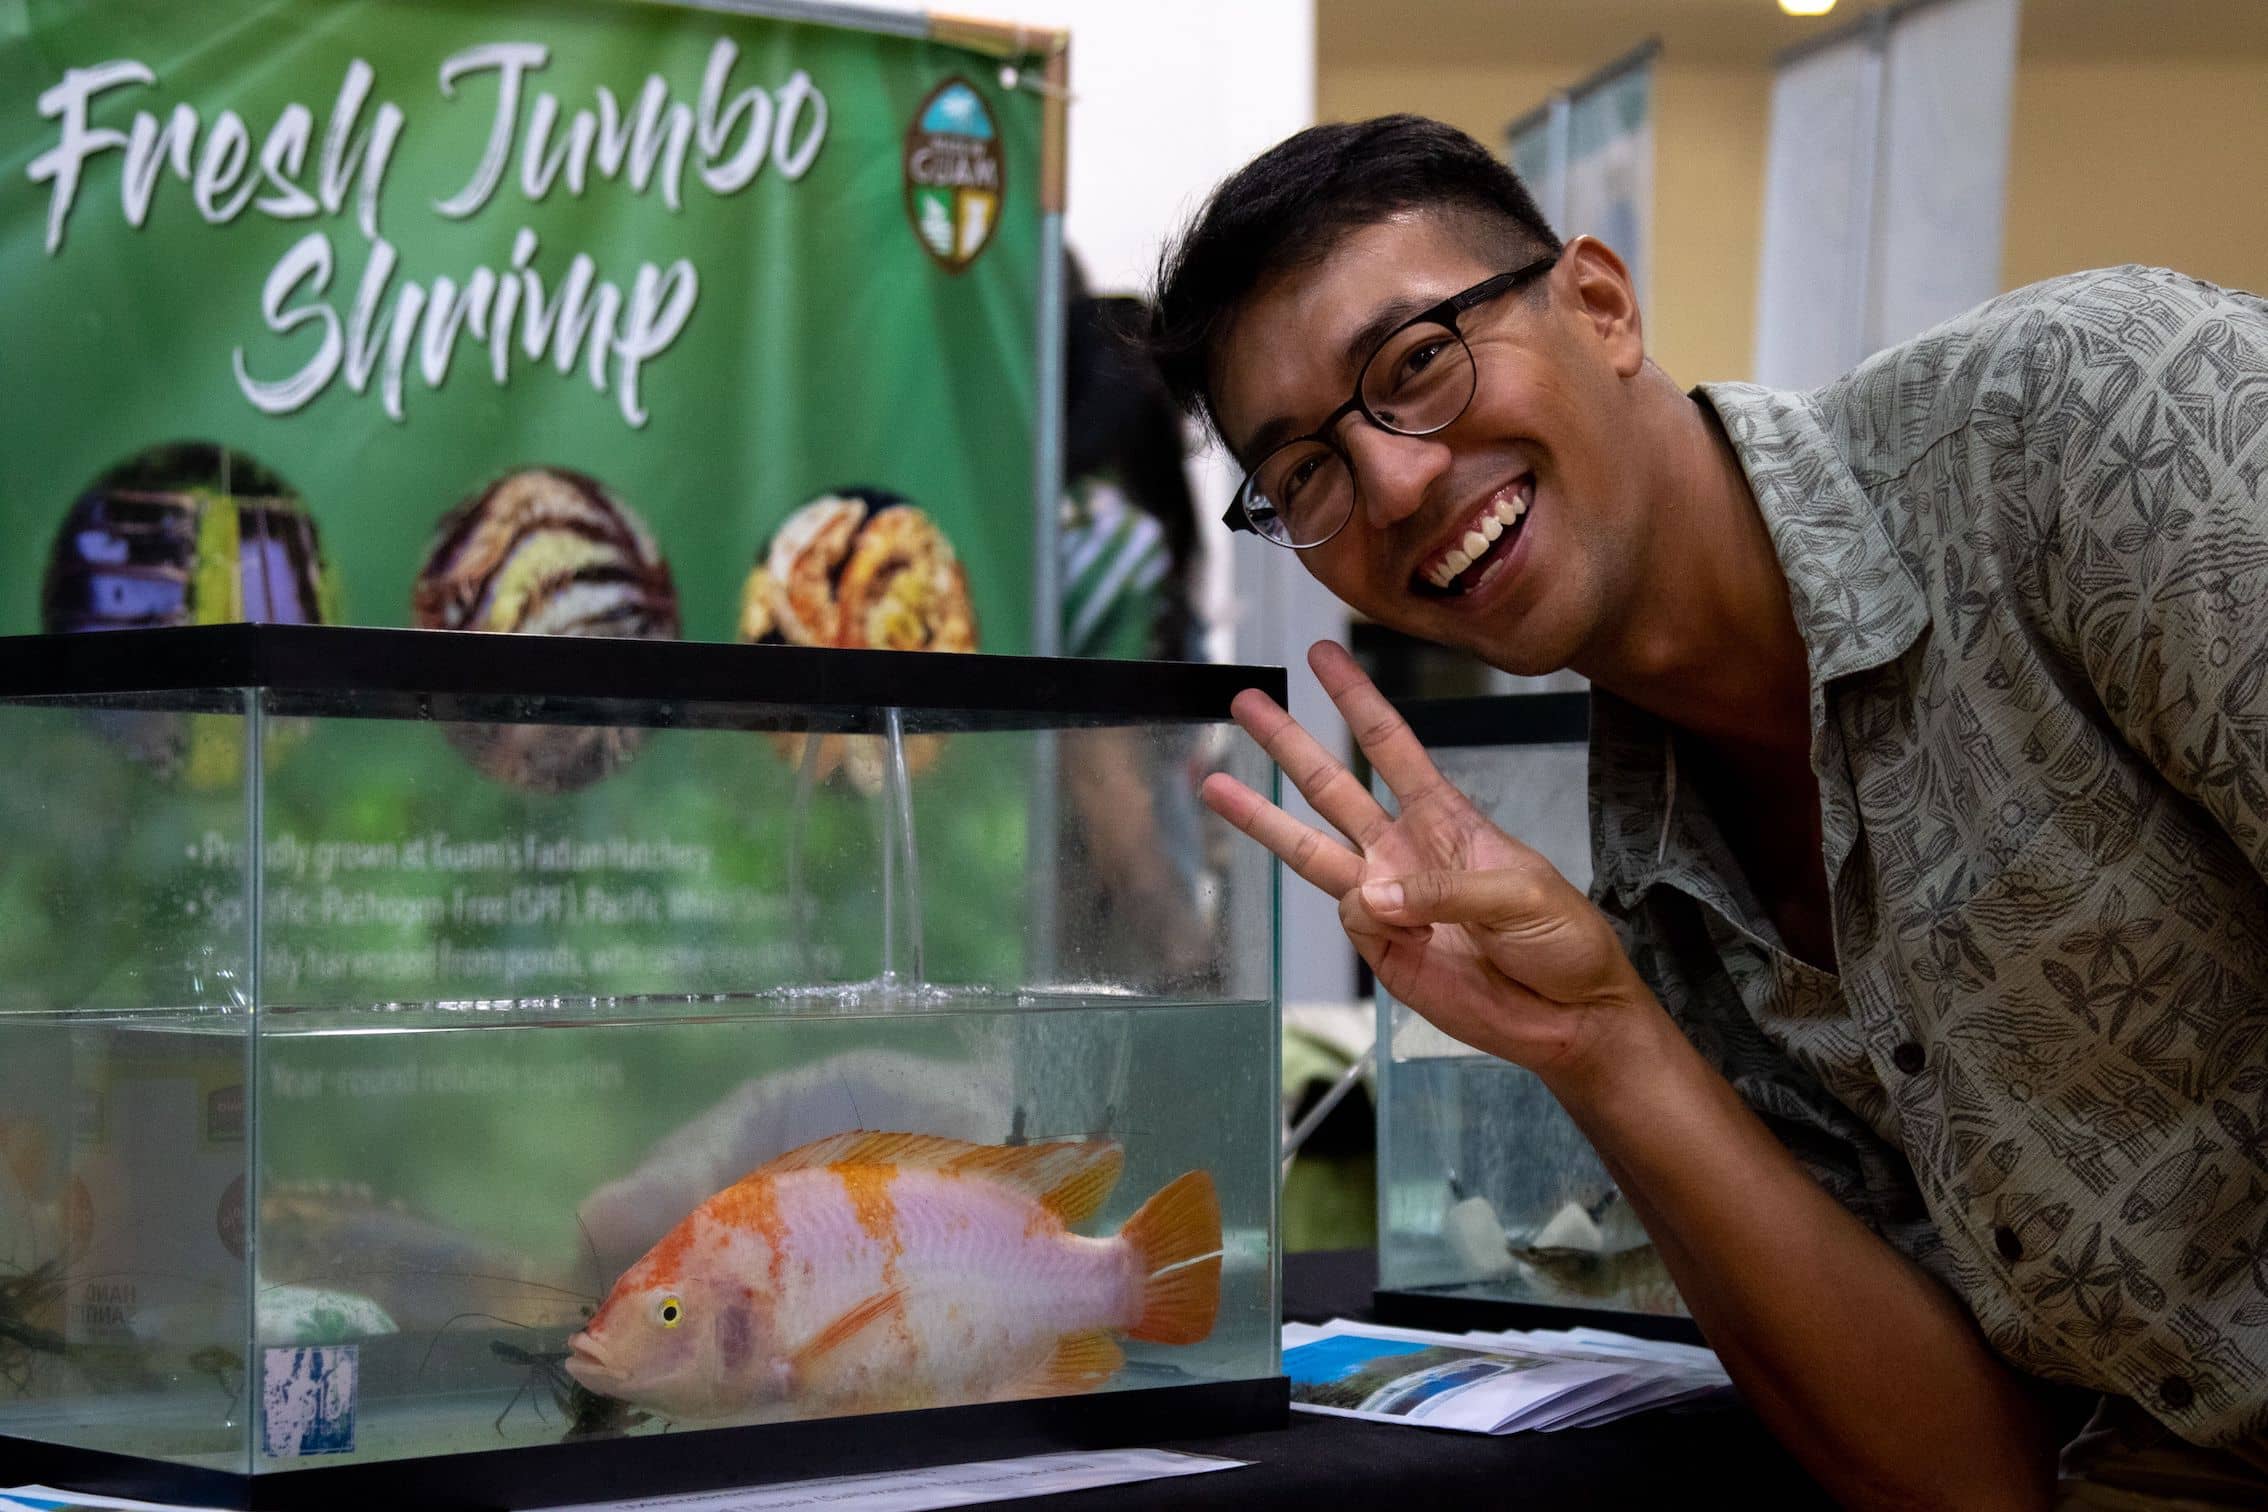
(1471, 928)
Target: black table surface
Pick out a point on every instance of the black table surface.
(1710, 1454)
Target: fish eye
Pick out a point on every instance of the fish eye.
(671, 1312)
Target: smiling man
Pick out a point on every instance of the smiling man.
(1922, 1007)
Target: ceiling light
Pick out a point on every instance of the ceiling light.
(1807, 7)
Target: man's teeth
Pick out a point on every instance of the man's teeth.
(1501, 516)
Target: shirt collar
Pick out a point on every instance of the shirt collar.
(1858, 605)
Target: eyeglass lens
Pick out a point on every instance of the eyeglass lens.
(1418, 382)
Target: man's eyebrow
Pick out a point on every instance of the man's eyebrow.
(1383, 322)
(1265, 440)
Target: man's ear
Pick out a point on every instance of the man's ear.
(1598, 284)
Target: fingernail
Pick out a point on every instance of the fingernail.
(1382, 895)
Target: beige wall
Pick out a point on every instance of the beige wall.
(1709, 134)
(2143, 160)
(2117, 153)
(1479, 100)
(1709, 127)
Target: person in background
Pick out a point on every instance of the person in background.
(1125, 550)
(1128, 549)
(1128, 540)
(1921, 1008)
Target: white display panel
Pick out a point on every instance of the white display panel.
(1951, 71)
(1885, 187)
(1818, 199)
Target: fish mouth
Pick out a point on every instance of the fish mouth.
(587, 1363)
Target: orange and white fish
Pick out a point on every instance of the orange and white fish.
(870, 1271)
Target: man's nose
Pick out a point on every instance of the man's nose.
(1393, 472)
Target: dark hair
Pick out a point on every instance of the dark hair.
(1289, 207)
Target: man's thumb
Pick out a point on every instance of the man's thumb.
(1459, 897)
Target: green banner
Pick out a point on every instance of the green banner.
(587, 317)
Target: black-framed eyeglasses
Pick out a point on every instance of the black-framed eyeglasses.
(1418, 380)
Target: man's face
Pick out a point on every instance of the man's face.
(1546, 437)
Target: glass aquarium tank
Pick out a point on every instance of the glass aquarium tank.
(1493, 1210)
(477, 1068)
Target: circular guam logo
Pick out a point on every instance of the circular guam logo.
(955, 174)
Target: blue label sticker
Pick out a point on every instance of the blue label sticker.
(307, 1398)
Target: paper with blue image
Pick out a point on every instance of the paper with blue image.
(1508, 1382)
(53, 1499)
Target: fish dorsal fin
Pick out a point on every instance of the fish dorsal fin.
(1070, 1177)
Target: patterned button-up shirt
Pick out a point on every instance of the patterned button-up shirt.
(2028, 556)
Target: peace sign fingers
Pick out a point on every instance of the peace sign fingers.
(1385, 737)
(1320, 776)
(1313, 855)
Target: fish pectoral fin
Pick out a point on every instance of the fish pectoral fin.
(847, 1326)
(1081, 1362)
(1070, 1177)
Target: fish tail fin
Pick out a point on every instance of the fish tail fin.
(1176, 1240)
